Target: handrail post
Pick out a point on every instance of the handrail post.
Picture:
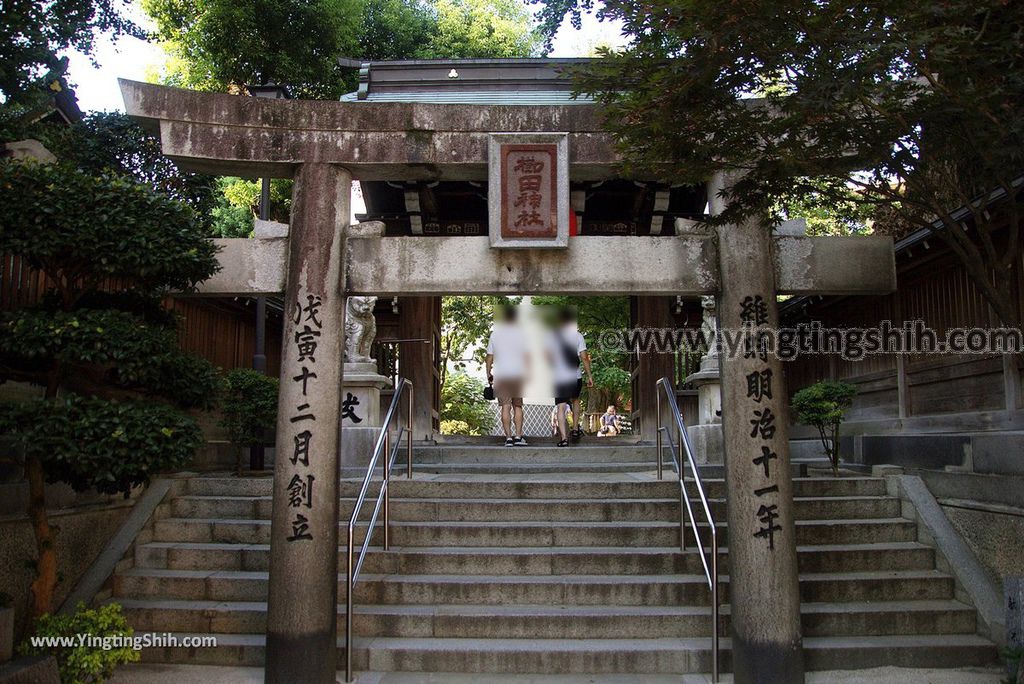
(409, 430)
(388, 448)
(387, 490)
(348, 605)
(714, 606)
(657, 429)
(682, 518)
(680, 460)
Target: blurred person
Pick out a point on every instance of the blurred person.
(507, 364)
(569, 358)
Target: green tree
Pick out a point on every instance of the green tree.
(34, 32)
(914, 105)
(249, 406)
(824, 406)
(112, 142)
(482, 28)
(218, 44)
(463, 407)
(395, 29)
(110, 247)
(228, 44)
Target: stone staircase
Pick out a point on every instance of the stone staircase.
(539, 570)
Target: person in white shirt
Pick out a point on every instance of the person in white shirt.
(507, 364)
(567, 353)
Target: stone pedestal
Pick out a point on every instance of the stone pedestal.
(706, 437)
(708, 442)
(360, 416)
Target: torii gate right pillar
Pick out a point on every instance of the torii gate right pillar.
(763, 579)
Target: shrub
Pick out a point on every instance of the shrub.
(85, 663)
(823, 405)
(454, 427)
(249, 406)
(112, 446)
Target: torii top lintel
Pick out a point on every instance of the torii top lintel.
(254, 137)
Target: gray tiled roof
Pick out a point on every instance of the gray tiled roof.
(490, 97)
(538, 81)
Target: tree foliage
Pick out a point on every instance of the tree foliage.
(111, 446)
(914, 105)
(110, 245)
(113, 143)
(229, 44)
(81, 229)
(482, 28)
(463, 407)
(220, 43)
(249, 406)
(34, 32)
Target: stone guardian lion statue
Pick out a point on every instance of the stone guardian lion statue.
(360, 329)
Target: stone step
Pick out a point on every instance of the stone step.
(503, 510)
(527, 468)
(540, 487)
(534, 533)
(535, 560)
(571, 485)
(553, 621)
(676, 589)
(597, 656)
(540, 451)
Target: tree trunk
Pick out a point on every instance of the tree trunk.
(46, 557)
(45, 582)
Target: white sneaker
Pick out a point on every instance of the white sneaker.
(509, 442)
(520, 441)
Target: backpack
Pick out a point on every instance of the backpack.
(569, 353)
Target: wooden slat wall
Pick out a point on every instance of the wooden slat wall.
(19, 284)
(222, 331)
(933, 287)
(225, 334)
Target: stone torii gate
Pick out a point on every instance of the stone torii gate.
(323, 146)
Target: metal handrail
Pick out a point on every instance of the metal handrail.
(381, 446)
(710, 565)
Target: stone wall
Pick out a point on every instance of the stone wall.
(86, 523)
(993, 533)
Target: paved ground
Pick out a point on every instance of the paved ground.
(189, 674)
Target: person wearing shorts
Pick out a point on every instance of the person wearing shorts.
(507, 363)
(569, 358)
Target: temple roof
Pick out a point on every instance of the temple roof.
(528, 81)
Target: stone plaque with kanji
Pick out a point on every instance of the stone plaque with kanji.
(528, 193)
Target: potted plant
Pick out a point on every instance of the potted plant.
(824, 405)
(6, 627)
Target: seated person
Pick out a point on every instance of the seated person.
(609, 423)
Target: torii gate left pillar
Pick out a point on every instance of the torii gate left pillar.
(302, 614)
